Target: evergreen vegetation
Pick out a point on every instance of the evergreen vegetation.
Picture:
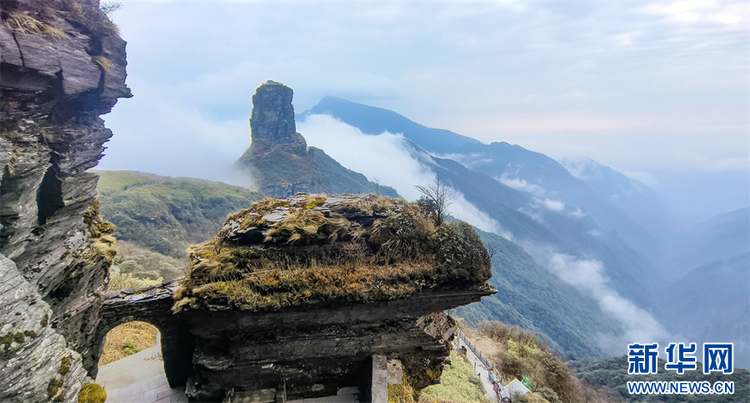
(169, 214)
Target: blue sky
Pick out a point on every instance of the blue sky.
(643, 87)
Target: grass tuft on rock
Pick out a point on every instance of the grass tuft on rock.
(103, 62)
(311, 249)
(25, 24)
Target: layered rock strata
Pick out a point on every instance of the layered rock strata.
(316, 351)
(35, 363)
(62, 64)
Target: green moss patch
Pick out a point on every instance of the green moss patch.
(10, 338)
(53, 387)
(65, 365)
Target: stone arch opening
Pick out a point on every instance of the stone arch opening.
(128, 339)
(151, 305)
(131, 367)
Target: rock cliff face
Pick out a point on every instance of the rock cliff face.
(278, 158)
(62, 65)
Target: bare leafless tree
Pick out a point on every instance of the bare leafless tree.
(492, 249)
(437, 197)
(109, 7)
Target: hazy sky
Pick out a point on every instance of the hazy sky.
(642, 87)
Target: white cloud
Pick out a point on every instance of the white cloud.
(577, 214)
(588, 276)
(463, 210)
(688, 11)
(470, 160)
(520, 184)
(575, 95)
(553, 205)
(172, 139)
(627, 39)
(383, 157)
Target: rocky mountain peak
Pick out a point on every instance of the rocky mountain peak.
(272, 120)
(278, 160)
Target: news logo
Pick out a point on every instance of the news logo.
(680, 360)
(642, 358)
(718, 357)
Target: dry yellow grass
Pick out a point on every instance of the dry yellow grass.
(103, 62)
(396, 255)
(127, 339)
(124, 281)
(25, 24)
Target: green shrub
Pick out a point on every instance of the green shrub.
(130, 347)
(92, 393)
(459, 383)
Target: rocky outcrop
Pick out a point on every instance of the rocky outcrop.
(62, 65)
(35, 364)
(315, 351)
(278, 159)
(297, 294)
(272, 120)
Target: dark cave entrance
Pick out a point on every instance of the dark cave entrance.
(49, 197)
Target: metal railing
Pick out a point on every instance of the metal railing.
(483, 358)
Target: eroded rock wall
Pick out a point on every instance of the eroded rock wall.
(35, 365)
(314, 351)
(62, 64)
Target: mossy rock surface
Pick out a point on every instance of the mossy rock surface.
(310, 249)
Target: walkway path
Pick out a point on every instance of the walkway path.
(480, 369)
(139, 378)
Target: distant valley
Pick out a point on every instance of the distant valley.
(582, 255)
